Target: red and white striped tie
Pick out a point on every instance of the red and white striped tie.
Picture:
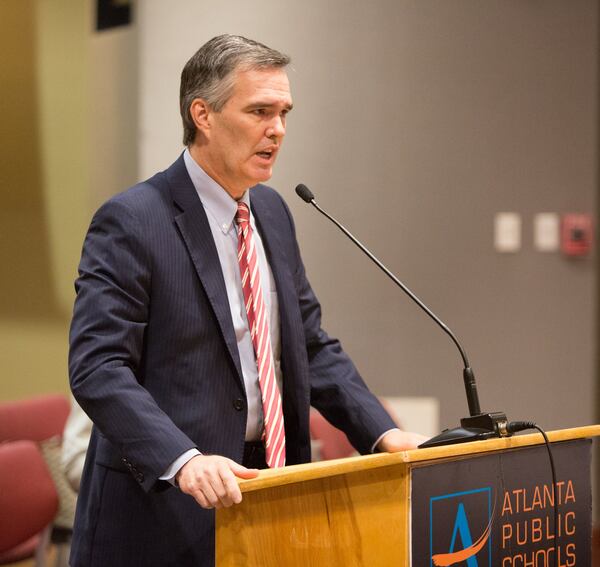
(258, 321)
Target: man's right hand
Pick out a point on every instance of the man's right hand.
(211, 480)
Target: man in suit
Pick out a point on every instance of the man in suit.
(196, 341)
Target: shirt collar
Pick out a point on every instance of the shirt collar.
(217, 202)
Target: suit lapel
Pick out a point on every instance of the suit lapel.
(272, 244)
(195, 231)
(290, 322)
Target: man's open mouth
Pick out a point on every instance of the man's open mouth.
(266, 154)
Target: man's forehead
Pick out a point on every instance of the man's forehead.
(269, 85)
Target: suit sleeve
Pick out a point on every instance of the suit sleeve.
(106, 345)
(336, 387)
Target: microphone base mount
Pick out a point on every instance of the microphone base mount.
(472, 428)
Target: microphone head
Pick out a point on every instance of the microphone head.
(304, 193)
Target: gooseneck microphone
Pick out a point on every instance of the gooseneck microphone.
(478, 425)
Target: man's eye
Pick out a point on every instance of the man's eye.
(259, 111)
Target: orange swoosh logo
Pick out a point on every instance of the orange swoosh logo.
(446, 559)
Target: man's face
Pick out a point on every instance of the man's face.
(243, 139)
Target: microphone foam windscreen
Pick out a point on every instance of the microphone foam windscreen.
(304, 193)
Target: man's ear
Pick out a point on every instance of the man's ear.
(200, 113)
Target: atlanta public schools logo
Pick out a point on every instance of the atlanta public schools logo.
(460, 529)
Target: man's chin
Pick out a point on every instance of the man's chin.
(262, 175)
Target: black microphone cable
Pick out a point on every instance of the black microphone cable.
(514, 427)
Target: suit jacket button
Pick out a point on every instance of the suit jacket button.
(139, 477)
(238, 404)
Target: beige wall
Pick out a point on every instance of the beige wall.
(24, 248)
(70, 113)
(114, 125)
(32, 321)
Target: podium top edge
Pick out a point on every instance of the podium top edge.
(311, 471)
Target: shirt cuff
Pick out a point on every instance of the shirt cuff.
(374, 447)
(176, 465)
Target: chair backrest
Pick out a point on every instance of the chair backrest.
(28, 498)
(34, 419)
(334, 443)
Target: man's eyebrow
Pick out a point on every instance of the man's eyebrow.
(265, 104)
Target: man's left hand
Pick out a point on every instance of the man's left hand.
(397, 440)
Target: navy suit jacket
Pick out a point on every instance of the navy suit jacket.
(154, 362)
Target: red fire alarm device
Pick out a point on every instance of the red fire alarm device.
(576, 234)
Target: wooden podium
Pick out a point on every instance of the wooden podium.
(475, 504)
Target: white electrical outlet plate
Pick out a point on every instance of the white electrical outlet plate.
(546, 232)
(507, 232)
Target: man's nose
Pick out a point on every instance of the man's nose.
(276, 128)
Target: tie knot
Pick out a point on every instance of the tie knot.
(243, 214)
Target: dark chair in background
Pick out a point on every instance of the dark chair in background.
(28, 500)
(40, 422)
(34, 419)
(331, 443)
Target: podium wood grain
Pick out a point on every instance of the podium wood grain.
(337, 520)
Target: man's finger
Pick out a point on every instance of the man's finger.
(224, 484)
(221, 489)
(242, 472)
(396, 440)
(231, 487)
(199, 497)
(210, 494)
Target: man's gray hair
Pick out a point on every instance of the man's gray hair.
(210, 73)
